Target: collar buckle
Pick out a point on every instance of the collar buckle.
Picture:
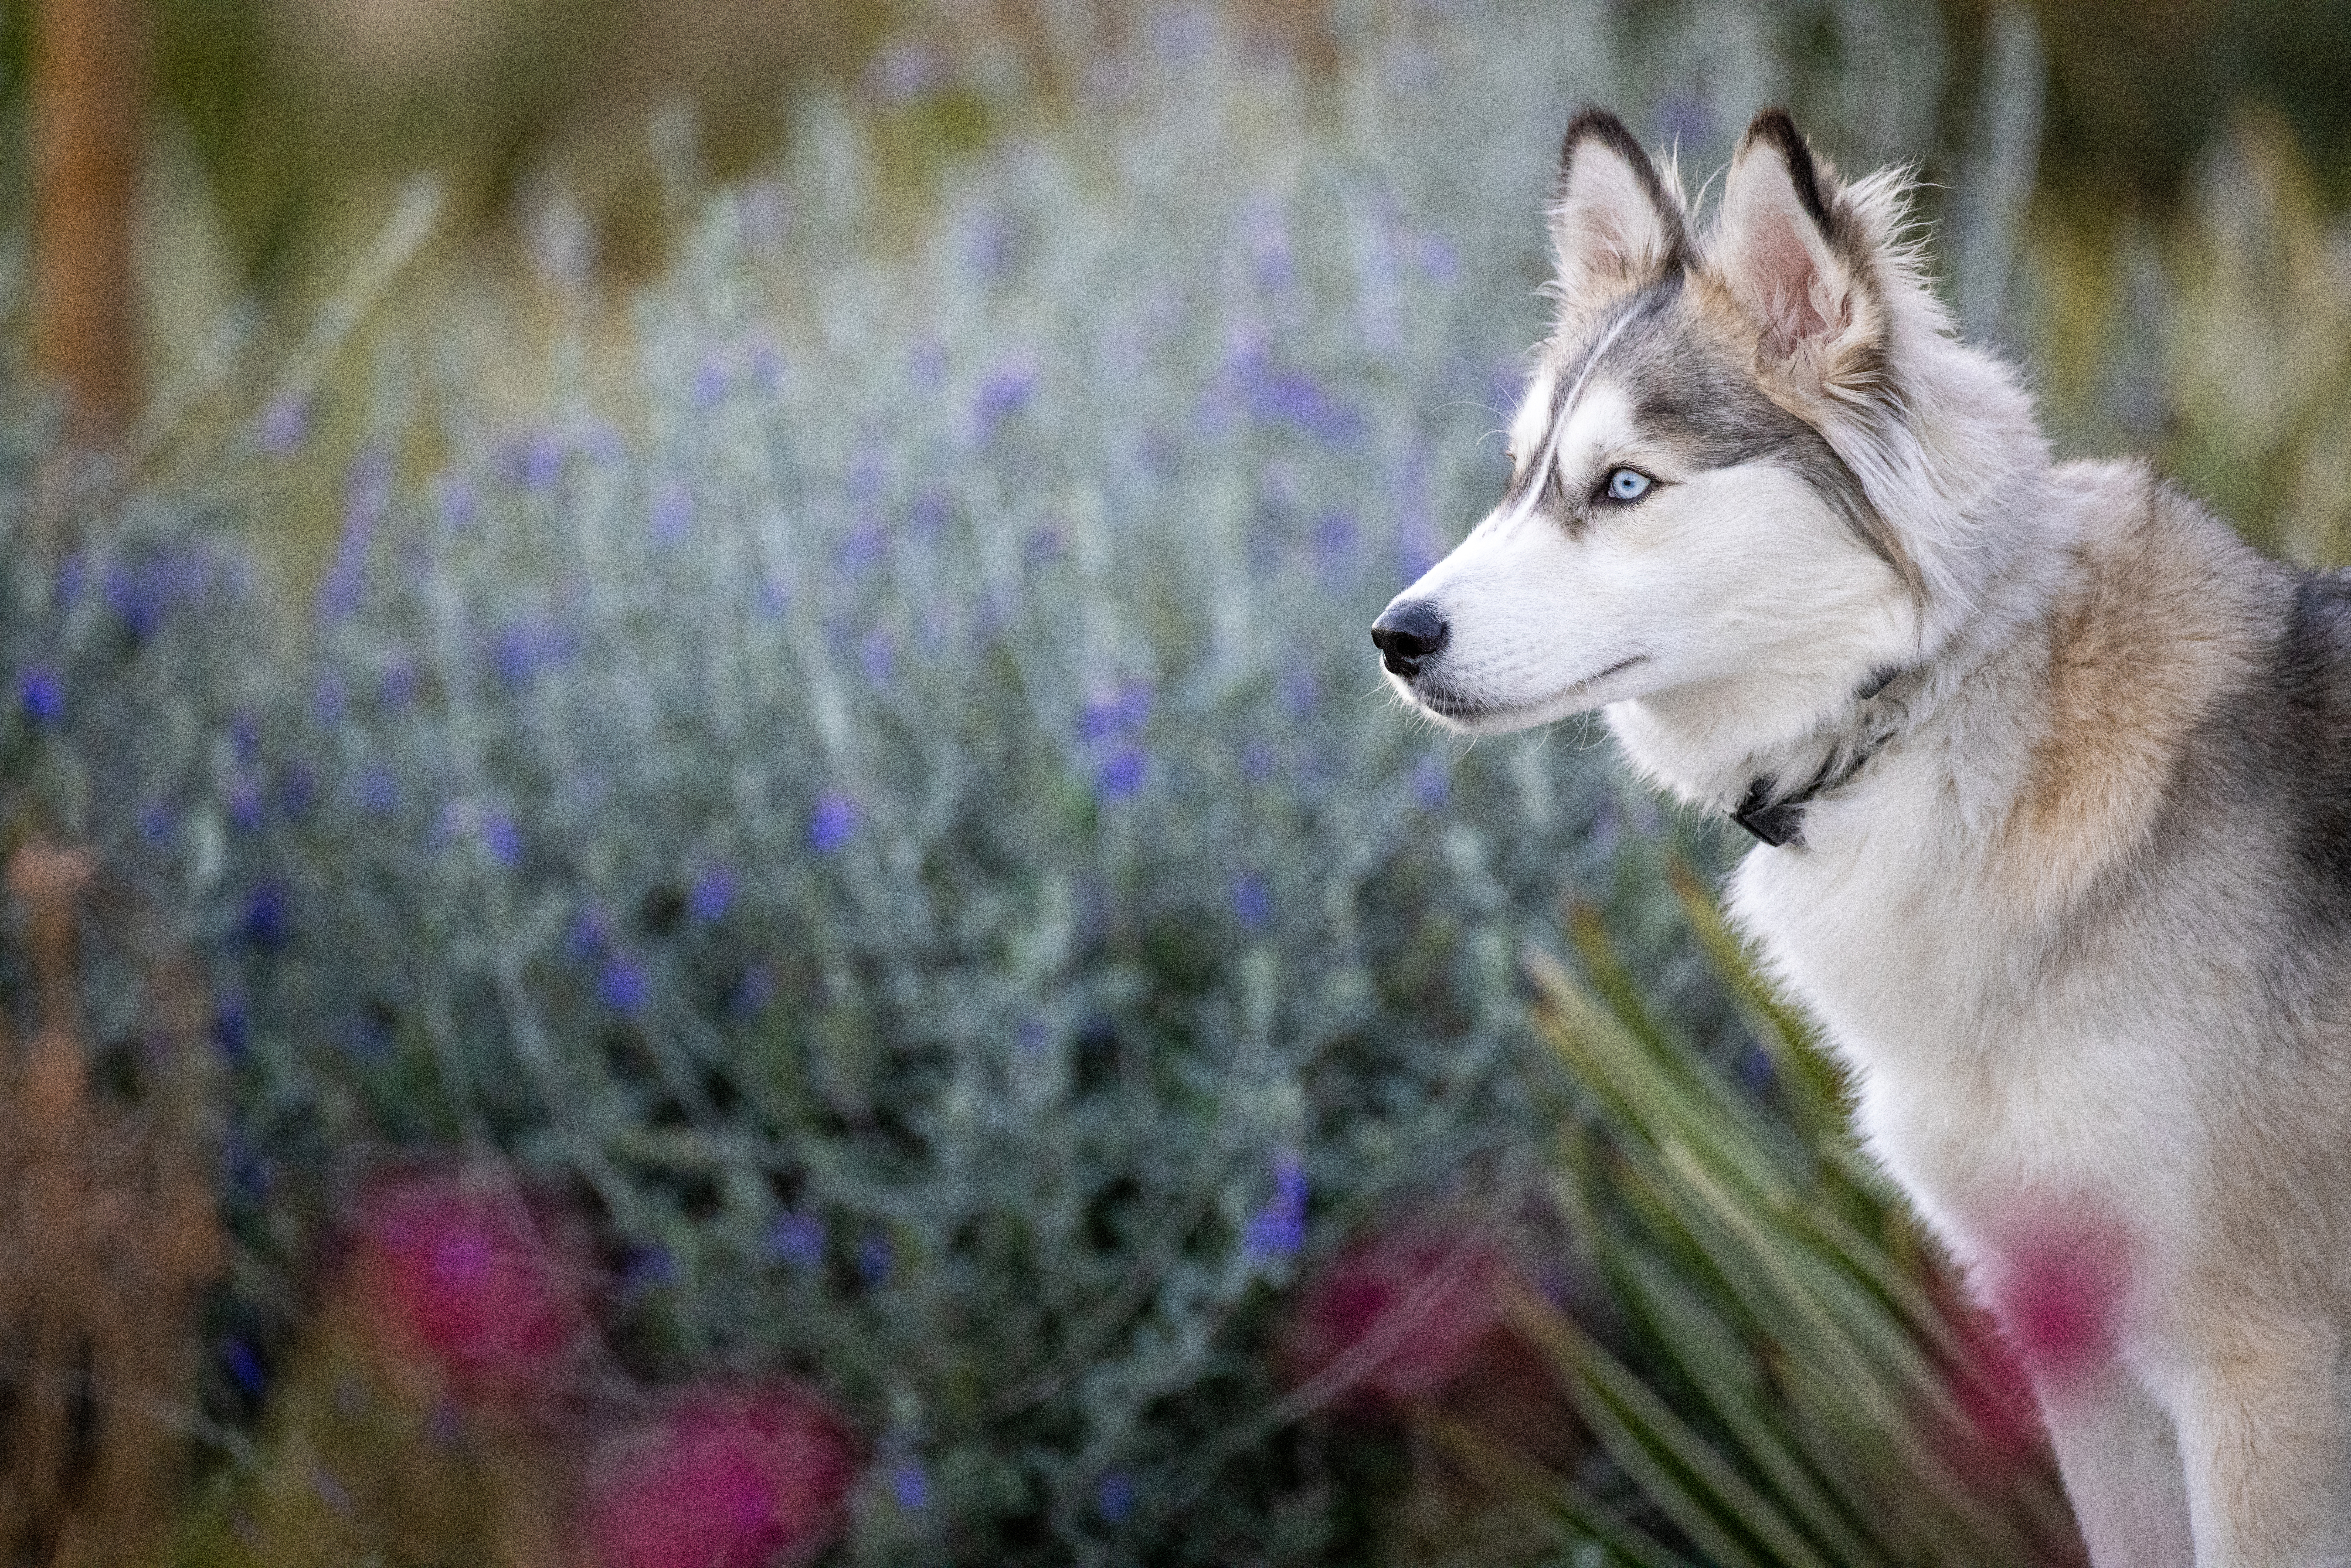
(1778, 824)
(1781, 822)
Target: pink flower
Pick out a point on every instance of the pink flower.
(460, 1270)
(1399, 1317)
(726, 1478)
(1997, 1430)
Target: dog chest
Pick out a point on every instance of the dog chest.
(2023, 1117)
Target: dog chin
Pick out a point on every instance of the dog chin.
(1473, 716)
(1465, 717)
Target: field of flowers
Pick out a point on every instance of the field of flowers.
(828, 948)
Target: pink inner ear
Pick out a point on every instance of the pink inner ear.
(1786, 280)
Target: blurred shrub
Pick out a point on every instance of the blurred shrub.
(2260, 347)
(899, 805)
(2219, 342)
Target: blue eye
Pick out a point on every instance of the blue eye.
(1626, 484)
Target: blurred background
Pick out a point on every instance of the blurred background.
(702, 864)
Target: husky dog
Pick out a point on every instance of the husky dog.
(2051, 776)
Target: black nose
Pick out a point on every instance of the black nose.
(1408, 633)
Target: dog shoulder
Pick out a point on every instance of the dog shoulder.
(2165, 618)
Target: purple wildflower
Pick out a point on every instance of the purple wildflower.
(711, 382)
(229, 1029)
(1122, 713)
(1682, 117)
(1120, 778)
(1268, 250)
(367, 492)
(876, 1258)
(798, 1240)
(1099, 721)
(927, 367)
(834, 822)
(297, 790)
(245, 801)
(712, 895)
(1429, 781)
(1115, 1497)
(398, 687)
(42, 695)
(1278, 1229)
(901, 72)
(379, 791)
(1334, 543)
(329, 699)
(140, 595)
(1439, 262)
(878, 655)
(368, 1035)
(284, 425)
(242, 1364)
(1298, 690)
(622, 985)
(1252, 903)
(989, 248)
(1005, 392)
(647, 1269)
(501, 838)
(514, 654)
(458, 504)
(910, 1485)
(539, 465)
(590, 935)
(266, 921)
(766, 361)
(673, 512)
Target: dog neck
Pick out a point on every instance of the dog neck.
(1775, 815)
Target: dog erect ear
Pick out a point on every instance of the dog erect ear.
(1797, 255)
(1614, 224)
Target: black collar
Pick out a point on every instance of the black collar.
(1780, 822)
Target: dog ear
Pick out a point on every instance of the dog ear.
(1614, 223)
(1799, 257)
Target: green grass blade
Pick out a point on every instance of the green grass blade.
(1521, 1480)
(1657, 1447)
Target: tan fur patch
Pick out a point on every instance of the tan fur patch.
(2162, 621)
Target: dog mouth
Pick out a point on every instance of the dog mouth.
(1456, 708)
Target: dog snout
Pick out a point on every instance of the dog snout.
(1408, 633)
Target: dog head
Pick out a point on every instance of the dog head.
(1716, 483)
